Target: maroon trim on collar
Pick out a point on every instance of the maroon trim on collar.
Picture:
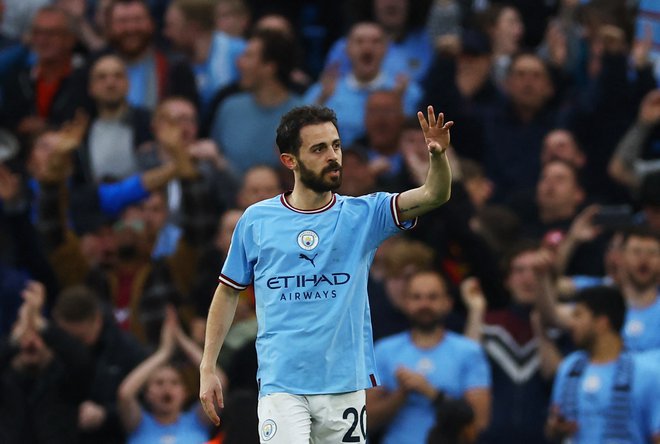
(315, 211)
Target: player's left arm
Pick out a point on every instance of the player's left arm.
(437, 188)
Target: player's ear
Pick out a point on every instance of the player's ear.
(288, 160)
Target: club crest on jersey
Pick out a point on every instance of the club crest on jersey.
(308, 240)
(268, 429)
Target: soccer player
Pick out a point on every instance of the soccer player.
(308, 252)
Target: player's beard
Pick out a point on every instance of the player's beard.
(317, 182)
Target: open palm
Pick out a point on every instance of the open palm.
(436, 131)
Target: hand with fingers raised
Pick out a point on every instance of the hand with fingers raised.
(436, 131)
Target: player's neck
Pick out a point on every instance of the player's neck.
(427, 339)
(303, 198)
(606, 349)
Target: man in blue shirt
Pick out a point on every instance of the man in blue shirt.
(602, 393)
(348, 93)
(307, 253)
(425, 364)
(640, 271)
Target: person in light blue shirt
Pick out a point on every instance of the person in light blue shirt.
(640, 271)
(265, 67)
(166, 420)
(603, 393)
(307, 253)
(366, 48)
(424, 365)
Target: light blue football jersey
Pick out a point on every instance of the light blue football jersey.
(594, 399)
(454, 366)
(641, 331)
(309, 270)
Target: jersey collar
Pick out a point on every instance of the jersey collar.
(314, 211)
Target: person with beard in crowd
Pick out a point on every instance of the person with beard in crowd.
(152, 74)
(165, 417)
(117, 129)
(78, 311)
(424, 365)
(640, 263)
(323, 399)
(604, 393)
(44, 376)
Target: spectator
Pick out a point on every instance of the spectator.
(505, 28)
(522, 357)
(165, 416)
(49, 92)
(265, 72)
(114, 354)
(232, 17)
(259, 183)
(45, 375)
(190, 26)
(347, 94)
(603, 377)
(559, 197)
(409, 48)
(217, 179)
(400, 258)
(152, 75)
(640, 279)
(383, 122)
(560, 144)
(413, 380)
(523, 118)
(109, 152)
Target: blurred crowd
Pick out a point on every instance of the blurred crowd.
(134, 133)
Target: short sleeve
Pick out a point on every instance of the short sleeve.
(386, 221)
(238, 270)
(477, 372)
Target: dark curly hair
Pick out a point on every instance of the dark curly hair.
(288, 133)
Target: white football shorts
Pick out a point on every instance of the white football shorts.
(313, 419)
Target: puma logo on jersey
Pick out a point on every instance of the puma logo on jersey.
(307, 258)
